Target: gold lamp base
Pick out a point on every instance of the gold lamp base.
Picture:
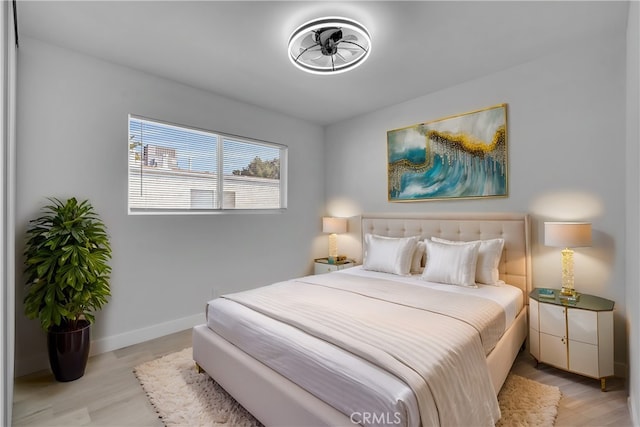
(567, 273)
(333, 248)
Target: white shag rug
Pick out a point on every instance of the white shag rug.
(524, 402)
(183, 397)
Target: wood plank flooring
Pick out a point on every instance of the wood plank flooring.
(109, 393)
(582, 403)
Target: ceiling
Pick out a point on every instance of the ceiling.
(238, 49)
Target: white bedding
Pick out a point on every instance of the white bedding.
(349, 383)
(509, 297)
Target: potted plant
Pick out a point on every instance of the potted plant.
(67, 275)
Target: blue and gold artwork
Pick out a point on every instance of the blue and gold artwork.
(460, 156)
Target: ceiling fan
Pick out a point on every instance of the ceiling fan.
(329, 45)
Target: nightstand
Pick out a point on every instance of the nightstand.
(321, 265)
(573, 335)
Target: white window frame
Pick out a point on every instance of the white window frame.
(220, 209)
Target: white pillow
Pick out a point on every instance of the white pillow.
(488, 258)
(451, 264)
(389, 254)
(417, 264)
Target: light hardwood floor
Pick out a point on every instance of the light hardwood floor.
(109, 393)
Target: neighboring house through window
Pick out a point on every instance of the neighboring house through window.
(177, 169)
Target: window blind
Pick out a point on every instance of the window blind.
(179, 169)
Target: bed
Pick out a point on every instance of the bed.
(303, 371)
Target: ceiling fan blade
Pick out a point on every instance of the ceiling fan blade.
(312, 49)
(313, 52)
(306, 51)
(345, 55)
(323, 61)
(339, 59)
(308, 40)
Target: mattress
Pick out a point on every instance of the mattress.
(354, 386)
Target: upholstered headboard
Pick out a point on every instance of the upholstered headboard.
(515, 264)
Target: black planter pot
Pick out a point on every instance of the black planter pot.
(69, 351)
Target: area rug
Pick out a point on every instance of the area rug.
(524, 402)
(183, 397)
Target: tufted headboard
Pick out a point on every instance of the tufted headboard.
(515, 264)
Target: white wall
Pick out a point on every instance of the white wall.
(633, 207)
(566, 133)
(72, 141)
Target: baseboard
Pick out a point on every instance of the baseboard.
(137, 336)
(635, 418)
(40, 361)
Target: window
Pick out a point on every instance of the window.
(176, 169)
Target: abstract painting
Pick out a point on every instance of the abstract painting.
(461, 156)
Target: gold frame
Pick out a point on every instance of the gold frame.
(454, 148)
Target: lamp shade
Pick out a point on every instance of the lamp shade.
(334, 225)
(567, 234)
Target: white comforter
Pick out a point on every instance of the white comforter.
(418, 336)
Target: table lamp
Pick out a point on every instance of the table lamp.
(333, 226)
(567, 235)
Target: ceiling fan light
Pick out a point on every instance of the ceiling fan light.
(318, 46)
